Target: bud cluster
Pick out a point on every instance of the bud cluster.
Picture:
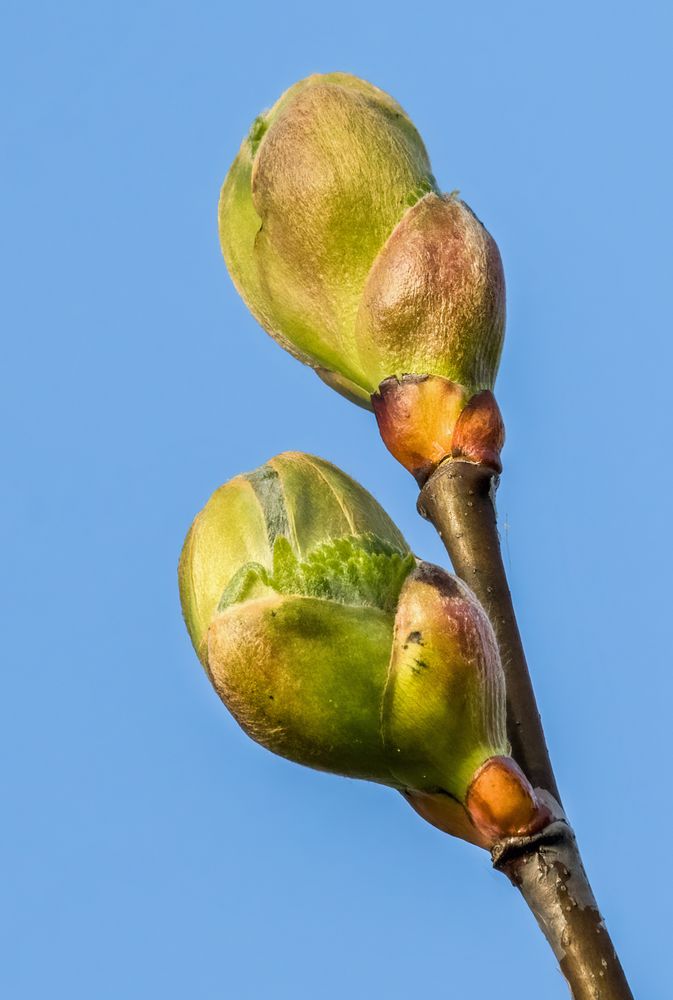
(330, 643)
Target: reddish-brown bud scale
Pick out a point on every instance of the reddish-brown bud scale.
(502, 802)
(448, 815)
(424, 419)
(480, 432)
(417, 415)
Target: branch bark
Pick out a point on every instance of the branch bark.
(548, 872)
(459, 500)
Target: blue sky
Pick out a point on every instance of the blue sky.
(150, 849)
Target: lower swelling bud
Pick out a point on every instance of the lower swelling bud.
(335, 648)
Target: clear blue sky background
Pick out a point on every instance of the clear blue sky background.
(149, 848)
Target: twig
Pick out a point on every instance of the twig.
(547, 868)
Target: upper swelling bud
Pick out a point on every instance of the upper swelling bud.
(332, 646)
(338, 239)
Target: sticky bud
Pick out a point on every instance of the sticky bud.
(338, 239)
(333, 646)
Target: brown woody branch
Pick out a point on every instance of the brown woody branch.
(458, 499)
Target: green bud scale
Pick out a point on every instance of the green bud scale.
(338, 239)
(332, 645)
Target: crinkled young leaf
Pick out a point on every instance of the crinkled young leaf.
(360, 570)
(298, 497)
